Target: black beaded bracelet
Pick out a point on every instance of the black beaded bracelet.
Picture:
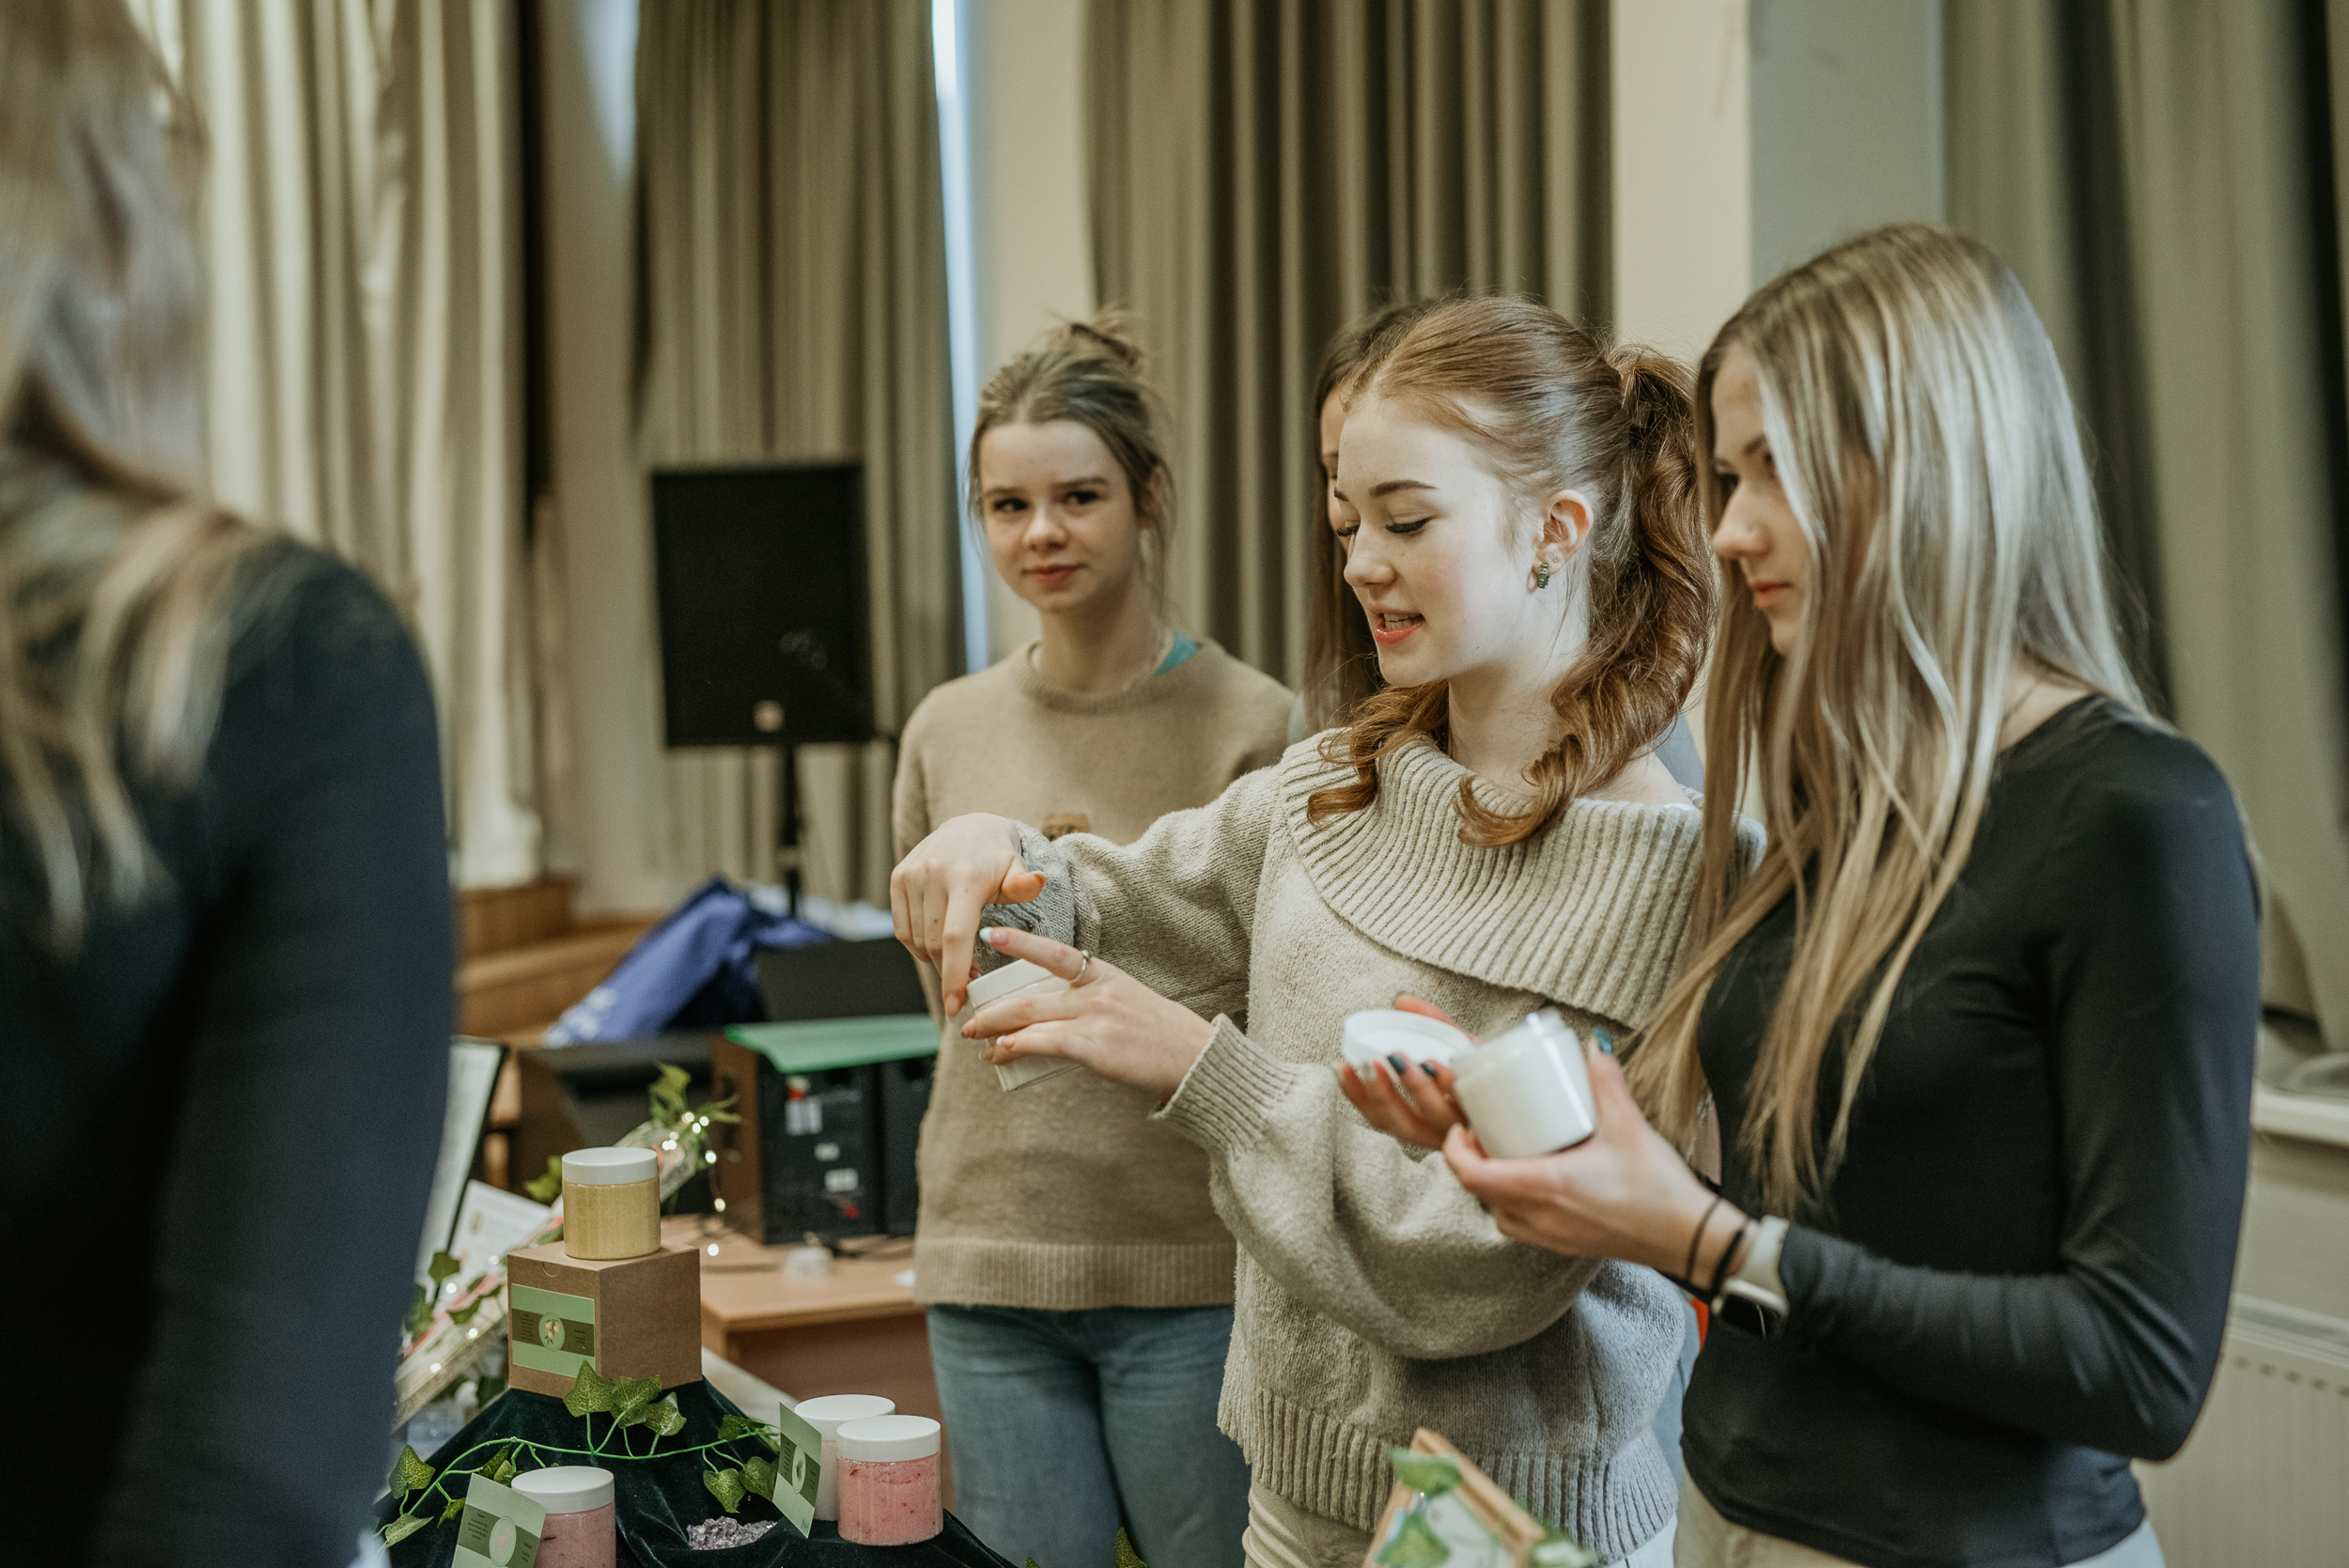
(1721, 1269)
(1688, 1269)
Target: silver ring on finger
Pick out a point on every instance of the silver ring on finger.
(1083, 970)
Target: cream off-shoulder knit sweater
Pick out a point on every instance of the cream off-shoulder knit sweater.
(1374, 1295)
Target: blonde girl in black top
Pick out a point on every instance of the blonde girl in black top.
(1971, 1050)
(223, 892)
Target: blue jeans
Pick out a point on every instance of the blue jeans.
(1067, 1425)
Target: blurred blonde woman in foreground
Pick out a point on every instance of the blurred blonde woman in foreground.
(224, 943)
(1971, 1051)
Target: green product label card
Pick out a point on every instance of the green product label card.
(798, 1466)
(551, 1333)
(501, 1528)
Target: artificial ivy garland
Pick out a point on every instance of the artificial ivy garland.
(625, 1402)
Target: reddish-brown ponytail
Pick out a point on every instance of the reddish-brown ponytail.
(1555, 409)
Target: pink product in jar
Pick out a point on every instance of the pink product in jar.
(580, 1531)
(889, 1480)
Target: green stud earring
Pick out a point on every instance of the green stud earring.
(1541, 575)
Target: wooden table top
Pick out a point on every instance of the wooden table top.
(744, 1290)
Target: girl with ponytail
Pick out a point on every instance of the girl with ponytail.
(1517, 506)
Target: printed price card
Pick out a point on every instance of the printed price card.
(798, 1468)
(501, 1528)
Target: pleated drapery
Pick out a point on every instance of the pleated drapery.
(1263, 171)
(795, 307)
(2165, 182)
(360, 231)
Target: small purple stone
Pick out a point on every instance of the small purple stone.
(716, 1535)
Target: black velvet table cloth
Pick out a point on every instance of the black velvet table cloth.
(656, 1498)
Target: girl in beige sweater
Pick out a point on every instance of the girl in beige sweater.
(1078, 1279)
(1490, 833)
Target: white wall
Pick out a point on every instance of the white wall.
(1845, 116)
(1683, 213)
(1751, 134)
(1034, 260)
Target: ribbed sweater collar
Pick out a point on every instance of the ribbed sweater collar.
(1589, 912)
(1141, 694)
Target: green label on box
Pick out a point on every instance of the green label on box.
(551, 1332)
(500, 1529)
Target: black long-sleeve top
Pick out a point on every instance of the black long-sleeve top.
(222, 1114)
(2020, 1278)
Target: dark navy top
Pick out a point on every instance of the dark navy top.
(2019, 1280)
(222, 1117)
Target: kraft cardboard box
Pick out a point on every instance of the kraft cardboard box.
(628, 1317)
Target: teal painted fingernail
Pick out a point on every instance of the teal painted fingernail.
(1604, 1041)
(1399, 1066)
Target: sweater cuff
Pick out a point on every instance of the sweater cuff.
(1052, 913)
(1229, 1096)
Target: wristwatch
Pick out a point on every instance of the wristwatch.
(1756, 1278)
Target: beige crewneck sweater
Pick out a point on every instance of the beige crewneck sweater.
(1375, 1296)
(1064, 1194)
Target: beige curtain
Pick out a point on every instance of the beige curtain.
(2162, 178)
(360, 229)
(1263, 171)
(795, 307)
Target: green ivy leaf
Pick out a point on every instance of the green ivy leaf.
(663, 1418)
(419, 1315)
(1126, 1556)
(410, 1472)
(403, 1527)
(632, 1397)
(1414, 1546)
(1433, 1474)
(441, 1267)
(1559, 1550)
(726, 1486)
(456, 1506)
(590, 1390)
(464, 1314)
(758, 1475)
(736, 1426)
(546, 1189)
(1033, 1563)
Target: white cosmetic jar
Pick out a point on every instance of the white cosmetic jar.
(1374, 1036)
(1018, 978)
(1528, 1091)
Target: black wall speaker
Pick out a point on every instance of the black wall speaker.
(760, 573)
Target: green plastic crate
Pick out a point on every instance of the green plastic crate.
(820, 1044)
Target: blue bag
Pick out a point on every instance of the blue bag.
(696, 970)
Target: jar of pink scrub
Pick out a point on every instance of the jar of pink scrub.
(578, 1500)
(889, 1480)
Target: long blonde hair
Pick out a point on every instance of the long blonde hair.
(115, 585)
(1929, 452)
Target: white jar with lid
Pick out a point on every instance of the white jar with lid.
(580, 1531)
(889, 1492)
(1528, 1091)
(1018, 978)
(611, 1203)
(826, 1414)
